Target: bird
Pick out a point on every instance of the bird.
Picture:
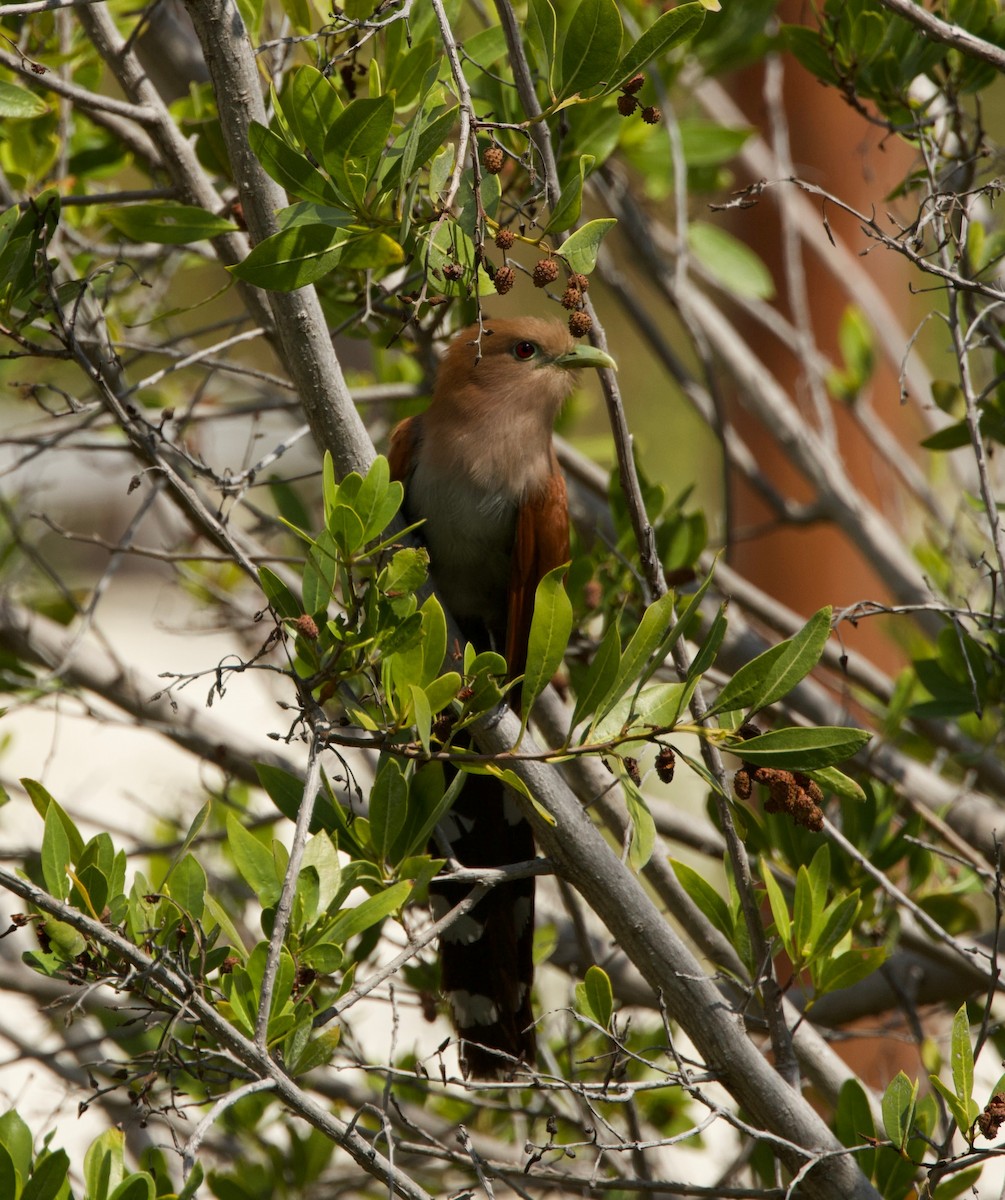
(480, 473)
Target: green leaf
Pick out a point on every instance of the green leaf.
(346, 531)
(898, 1109)
(18, 103)
(832, 974)
(853, 1123)
(835, 923)
(369, 912)
(542, 29)
(550, 628)
(378, 499)
(774, 674)
(570, 201)
(311, 106)
(953, 437)
(640, 849)
(10, 1177)
(419, 148)
(227, 927)
(961, 1114)
(667, 31)
(657, 622)
(600, 676)
(357, 136)
(278, 594)
(801, 749)
(55, 855)
(15, 1137)
(48, 1178)
(407, 571)
(388, 806)
(104, 1164)
(802, 916)
(705, 897)
(595, 996)
(42, 802)
(371, 251)
(167, 223)
(293, 257)
(319, 574)
(592, 45)
(731, 263)
(137, 1187)
(962, 1059)
(317, 1053)
(833, 782)
(65, 942)
(580, 249)
(422, 714)
(188, 886)
(254, 861)
(779, 910)
(289, 168)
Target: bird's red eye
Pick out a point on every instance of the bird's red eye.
(524, 350)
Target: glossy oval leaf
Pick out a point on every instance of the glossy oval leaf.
(550, 628)
(774, 674)
(56, 855)
(18, 103)
(167, 224)
(373, 909)
(592, 45)
(289, 168)
(358, 134)
(312, 106)
(580, 249)
(732, 264)
(898, 1109)
(802, 749)
(293, 257)
(600, 675)
(254, 861)
(570, 200)
(48, 1178)
(595, 996)
(667, 31)
(388, 806)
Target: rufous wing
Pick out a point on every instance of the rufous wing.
(403, 447)
(542, 544)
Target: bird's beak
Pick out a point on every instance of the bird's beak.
(585, 356)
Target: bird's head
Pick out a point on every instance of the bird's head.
(525, 367)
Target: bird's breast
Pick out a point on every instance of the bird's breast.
(469, 531)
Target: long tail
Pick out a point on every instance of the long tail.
(486, 958)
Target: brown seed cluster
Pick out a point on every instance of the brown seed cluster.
(665, 764)
(790, 792)
(453, 271)
(580, 324)
(993, 1116)
(503, 279)
(631, 766)
(628, 102)
(545, 272)
(493, 159)
(306, 625)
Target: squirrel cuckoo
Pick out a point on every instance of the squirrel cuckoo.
(480, 471)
